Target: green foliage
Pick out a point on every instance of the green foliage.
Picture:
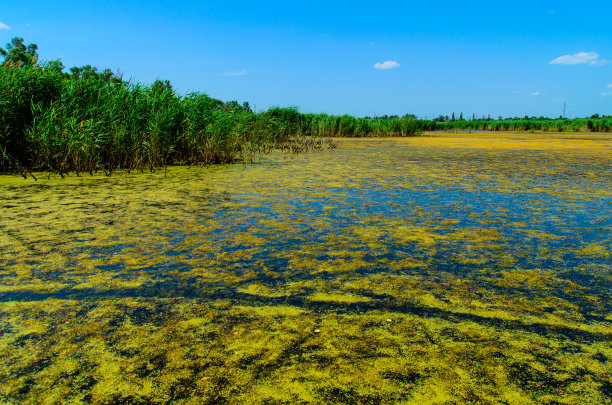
(55, 66)
(88, 120)
(348, 126)
(23, 92)
(17, 54)
(593, 124)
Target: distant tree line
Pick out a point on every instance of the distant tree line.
(594, 123)
(446, 118)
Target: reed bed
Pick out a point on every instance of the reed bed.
(88, 121)
(348, 126)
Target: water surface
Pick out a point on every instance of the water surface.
(447, 269)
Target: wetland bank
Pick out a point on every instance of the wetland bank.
(455, 268)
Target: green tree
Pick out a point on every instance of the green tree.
(55, 66)
(162, 86)
(18, 54)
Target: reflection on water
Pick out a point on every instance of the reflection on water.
(466, 268)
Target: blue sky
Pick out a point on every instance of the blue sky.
(435, 57)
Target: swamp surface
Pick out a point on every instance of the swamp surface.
(457, 268)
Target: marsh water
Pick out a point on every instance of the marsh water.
(455, 268)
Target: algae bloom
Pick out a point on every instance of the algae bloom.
(447, 269)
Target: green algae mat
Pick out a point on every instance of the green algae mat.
(472, 268)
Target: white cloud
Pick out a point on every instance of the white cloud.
(606, 94)
(591, 58)
(390, 64)
(535, 93)
(3, 26)
(600, 62)
(235, 73)
(610, 86)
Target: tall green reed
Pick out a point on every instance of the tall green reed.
(89, 121)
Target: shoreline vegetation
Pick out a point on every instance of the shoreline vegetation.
(595, 123)
(88, 120)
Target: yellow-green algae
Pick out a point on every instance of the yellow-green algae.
(457, 268)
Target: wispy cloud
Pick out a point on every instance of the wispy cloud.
(535, 93)
(606, 94)
(235, 73)
(390, 64)
(610, 86)
(580, 58)
(3, 26)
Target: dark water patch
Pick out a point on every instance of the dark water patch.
(389, 304)
(606, 388)
(533, 380)
(111, 267)
(602, 358)
(402, 378)
(348, 396)
(102, 252)
(173, 289)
